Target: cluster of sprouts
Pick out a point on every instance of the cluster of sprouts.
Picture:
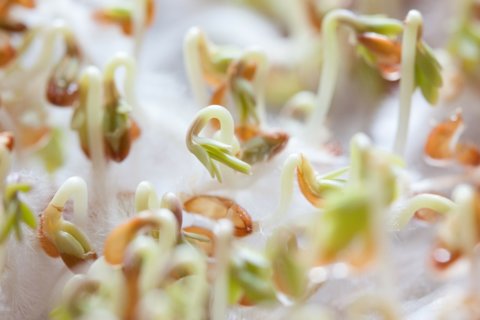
(189, 254)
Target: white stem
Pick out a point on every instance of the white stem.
(401, 215)
(224, 236)
(145, 197)
(330, 68)
(193, 65)
(92, 79)
(413, 23)
(260, 79)
(139, 25)
(73, 188)
(298, 22)
(59, 28)
(121, 59)
(286, 185)
(464, 196)
(384, 266)
(187, 256)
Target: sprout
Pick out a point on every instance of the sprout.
(373, 26)
(460, 232)
(88, 117)
(226, 71)
(7, 50)
(404, 212)
(258, 146)
(221, 288)
(63, 87)
(119, 239)
(146, 199)
(313, 186)
(223, 149)
(419, 69)
(59, 237)
(7, 142)
(119, 129)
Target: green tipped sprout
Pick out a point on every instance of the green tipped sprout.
(313, 186)
(15, 212)
(210, 150)
(119, 130)
(359, 25)
(229, 72)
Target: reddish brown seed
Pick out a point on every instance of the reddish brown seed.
(61, 93)
(48, 247)
(217, 208)
(7, 139)
(208, 247)
(438, 145)
(387, 52)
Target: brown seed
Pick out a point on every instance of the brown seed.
(118, 240)
(217, 208)
(207, 247)
(62, 93)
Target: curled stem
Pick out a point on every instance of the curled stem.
(222, 149)
(120, 60)
(73, 188)
(413, 25)
(224, 236)
(403, 214)
(330, 67)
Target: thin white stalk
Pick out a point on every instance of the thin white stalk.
(464, 196)
(92, 80)
(330, 70)
(193, 65)
(384, 265)
(74, 188)
(401, 215)
(139, 25)
(146, 197)
(58, 29)
(224, 235)
(190, 258)
(260, 79)
(286, 185)
(298, 22)
(413, 24)
(120, 60)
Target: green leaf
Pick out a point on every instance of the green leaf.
(27, 215)
(380, 24)
(427, 73)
